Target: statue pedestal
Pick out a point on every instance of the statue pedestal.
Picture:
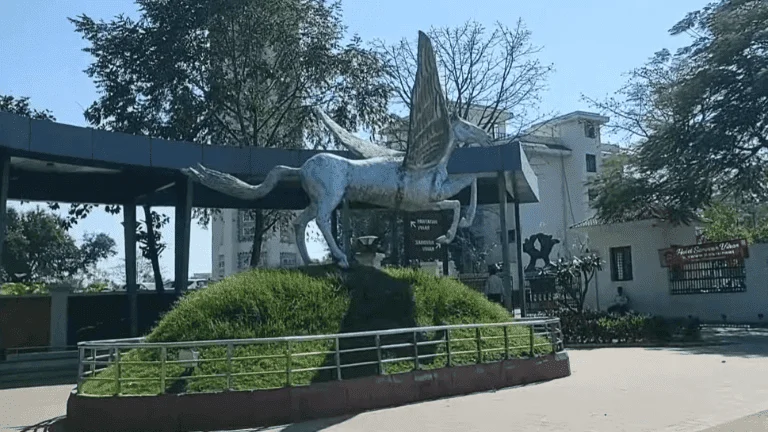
(369, 259)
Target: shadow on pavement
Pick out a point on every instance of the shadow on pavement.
(55, 424)
(729, 342)
(312, 425)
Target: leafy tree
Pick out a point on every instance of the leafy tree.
(729, 222)
(38, 248)
(21, 106)
(699, 115)
(151, 242)
(573, 276)
(232, 72)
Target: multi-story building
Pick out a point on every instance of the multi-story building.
(564, 153)
(232, 237)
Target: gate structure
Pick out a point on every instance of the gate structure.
(706, 268)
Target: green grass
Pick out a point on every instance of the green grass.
(315, 300)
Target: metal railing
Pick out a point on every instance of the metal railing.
(135, 366)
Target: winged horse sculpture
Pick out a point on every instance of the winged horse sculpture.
(416, 180)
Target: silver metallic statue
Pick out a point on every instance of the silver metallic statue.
(414, 181)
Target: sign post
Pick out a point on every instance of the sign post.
(423, 229)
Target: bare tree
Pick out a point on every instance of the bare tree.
(490, 76)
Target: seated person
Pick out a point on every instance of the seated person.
(620, 302)
(494, 288)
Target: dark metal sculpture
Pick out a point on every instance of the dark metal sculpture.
(546, 243)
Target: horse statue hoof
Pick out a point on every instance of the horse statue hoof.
(464, 223)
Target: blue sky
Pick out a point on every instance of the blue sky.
(591, 43)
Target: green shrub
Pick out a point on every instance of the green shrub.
(18, 288)
(591, 327)
(314, 300)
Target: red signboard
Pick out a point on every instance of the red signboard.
(678, 255)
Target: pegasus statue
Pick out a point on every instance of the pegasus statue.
(412, 181)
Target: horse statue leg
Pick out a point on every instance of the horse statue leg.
(455, 206)
(467, 220)
(300, 229)
(451, 187)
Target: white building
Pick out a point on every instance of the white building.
(232, 235)
(713, 290)
(564, 153)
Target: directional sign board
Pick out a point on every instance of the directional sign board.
(423, 229)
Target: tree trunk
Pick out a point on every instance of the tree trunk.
(258, 236)
(152, 249)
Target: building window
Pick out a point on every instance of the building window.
(621, 264)
(287, 259)
(243, 260)
(246, 226)
(510, 235)
(590, 130)
(222, 265)
(498, 132)
(286, 236)
(591, 163)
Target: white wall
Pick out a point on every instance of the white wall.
(648, 292)
(649, 287)
(737, 307)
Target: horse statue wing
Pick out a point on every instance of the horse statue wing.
(354, 144)
(430, 138)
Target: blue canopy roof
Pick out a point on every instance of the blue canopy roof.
(57, 162)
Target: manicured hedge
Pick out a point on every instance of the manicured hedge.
(590, 327)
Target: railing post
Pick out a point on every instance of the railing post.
(479, 348)
(163, 359)
(338, 361)
(416, 351)
(288, 363)
(552, 338)
(117, 371)
(506, 342)
(93, 362)
(378, 354)
(531, 339)
(81, 357)
(230, 353)
(448, 346)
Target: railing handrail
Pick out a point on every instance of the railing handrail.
(139, 342)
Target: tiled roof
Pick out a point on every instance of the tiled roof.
(596, 221)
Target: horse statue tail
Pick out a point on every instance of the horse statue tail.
(237, 188)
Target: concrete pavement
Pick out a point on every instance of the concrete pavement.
(611, 390)
(32, 408)
(754, 423)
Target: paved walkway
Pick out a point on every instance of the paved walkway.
(611, 390)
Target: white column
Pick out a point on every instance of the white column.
(59, 302)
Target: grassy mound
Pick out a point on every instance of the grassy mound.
(314, 300)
